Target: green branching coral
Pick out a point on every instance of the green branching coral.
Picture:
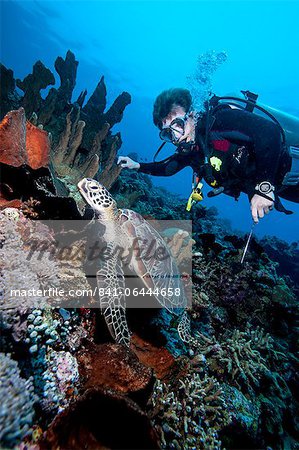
(190, 415)
(243, 355)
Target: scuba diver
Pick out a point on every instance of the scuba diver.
(229, 146)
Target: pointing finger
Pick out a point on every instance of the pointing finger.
(122, 159)
(254, 214)
(261, 212)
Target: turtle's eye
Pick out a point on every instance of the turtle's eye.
(94, 187)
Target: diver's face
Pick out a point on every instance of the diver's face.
(182, 134)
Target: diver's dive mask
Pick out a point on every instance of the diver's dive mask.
(175, 130)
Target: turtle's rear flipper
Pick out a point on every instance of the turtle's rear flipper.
(184, 328)
(110, 279)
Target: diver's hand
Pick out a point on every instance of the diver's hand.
(127, 162)
(261, 206)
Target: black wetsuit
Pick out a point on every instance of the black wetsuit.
(244, 147)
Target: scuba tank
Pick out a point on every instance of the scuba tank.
(288, 122)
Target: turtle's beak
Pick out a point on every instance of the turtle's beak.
(81, 184)
(82, 188)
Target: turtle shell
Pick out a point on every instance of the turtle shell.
(152, 260)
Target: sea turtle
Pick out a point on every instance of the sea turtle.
(129, 231)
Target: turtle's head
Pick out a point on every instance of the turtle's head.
(96, 195)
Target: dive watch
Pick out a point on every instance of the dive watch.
(265, 187)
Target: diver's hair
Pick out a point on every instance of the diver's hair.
(165, 102)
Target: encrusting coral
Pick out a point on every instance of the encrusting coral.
(61, 379)
(17, 403)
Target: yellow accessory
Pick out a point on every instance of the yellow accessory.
(216, 163)
(195, 196)
(214, 183)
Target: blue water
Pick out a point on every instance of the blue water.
(144, 47)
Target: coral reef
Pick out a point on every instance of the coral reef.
(245, 415)
(17, 401)
(237, 388)
(191, 414)
(239, 290)
(287, 256)
(82, 143)
(239, 354)
(27, 263)
(220, 394)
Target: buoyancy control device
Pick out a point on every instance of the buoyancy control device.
(288, 125)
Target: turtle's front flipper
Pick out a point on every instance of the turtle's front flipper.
(110, 279)
(115, 316)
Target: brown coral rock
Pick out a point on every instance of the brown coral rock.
(164, 365)
(101, 420)
(4, 203)
(23, 143)
(37, 146)
(112, 366)
(13, 138)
